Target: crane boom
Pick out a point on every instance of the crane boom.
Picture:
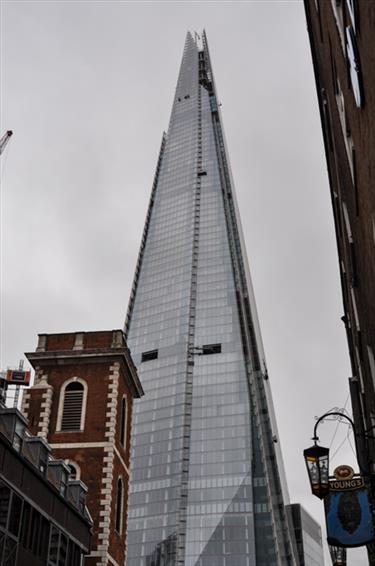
(4, 140)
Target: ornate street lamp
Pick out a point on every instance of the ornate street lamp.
(317, 463)
(338, 555)
(317, 459)
(347, 496)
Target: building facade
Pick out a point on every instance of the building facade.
(43, 517)
(342, 44)
(81, 402)
(308, 536)
(207, 484)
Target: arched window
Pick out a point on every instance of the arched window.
(72, 406)
(124, 418)
(73, 398)
(119, 505)
(74, 471)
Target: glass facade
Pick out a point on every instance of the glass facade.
(27, 536)
(207, 484)
(308, 536)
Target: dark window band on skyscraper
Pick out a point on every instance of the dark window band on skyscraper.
(207, 482)
(211, 349)
(148, 356)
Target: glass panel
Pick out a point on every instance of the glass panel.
(35, 530)
(4, 504)
(53, 547)
(44, 538)
(74, 554)
(2, 544)
(15, 515)
(10, 552)
(63, 550)
(25, 527)
(18, 435)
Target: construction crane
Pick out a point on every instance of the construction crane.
(4, 140)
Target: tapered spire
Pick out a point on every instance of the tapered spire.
(207, 483)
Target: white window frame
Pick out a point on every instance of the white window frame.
(76, 466)
(125, 424)
(119, 479)
(61, 404)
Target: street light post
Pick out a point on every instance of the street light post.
(364, 469)
(317, 463)
(317, 459)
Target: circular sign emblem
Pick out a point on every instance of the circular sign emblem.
(343, 473)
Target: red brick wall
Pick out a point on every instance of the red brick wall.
(117, 540)
(58, 342)
(97, 379)
(98, 339)
(90, 461)
(91, 340)
(34, 410)
(98, 374)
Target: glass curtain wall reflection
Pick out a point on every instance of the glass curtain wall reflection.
(207, 485)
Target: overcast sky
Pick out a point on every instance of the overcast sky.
(87, 88)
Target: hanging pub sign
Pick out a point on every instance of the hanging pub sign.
(347, 510)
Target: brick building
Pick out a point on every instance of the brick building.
(81, 403)
(342, 38)
(43, 517)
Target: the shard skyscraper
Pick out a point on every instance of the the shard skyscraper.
(207, 485)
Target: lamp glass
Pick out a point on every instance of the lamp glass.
(317, 463)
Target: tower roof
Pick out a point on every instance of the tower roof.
(81, 347)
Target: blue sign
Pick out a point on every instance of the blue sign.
(348, 514)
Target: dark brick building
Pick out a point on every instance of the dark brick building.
(342, 37)
(43, 517)
(81, 402)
